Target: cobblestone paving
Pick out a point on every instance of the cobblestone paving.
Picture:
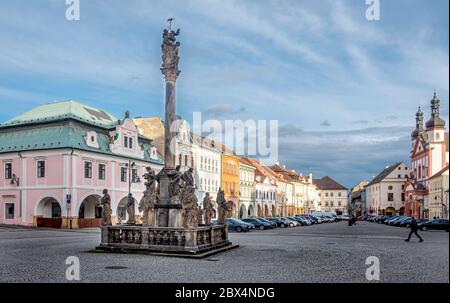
(322, 253)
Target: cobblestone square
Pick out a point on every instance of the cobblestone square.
(322, 253)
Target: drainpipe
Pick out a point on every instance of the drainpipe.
(20, 187)
(69, 221)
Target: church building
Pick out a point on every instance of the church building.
(429, 156)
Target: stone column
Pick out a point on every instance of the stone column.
(170, 118)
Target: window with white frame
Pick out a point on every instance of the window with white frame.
(40, 166)
(8, 170)
(88, 170)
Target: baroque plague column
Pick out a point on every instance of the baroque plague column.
(171, 222)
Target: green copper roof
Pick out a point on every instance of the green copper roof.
(64, 110)
(60, 135)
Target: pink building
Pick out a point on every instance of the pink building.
(56, 159)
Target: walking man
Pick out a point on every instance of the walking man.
(414, 229)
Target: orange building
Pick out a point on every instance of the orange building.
(230, 179)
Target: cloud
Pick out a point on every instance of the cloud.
(325, 123)
(347, 156)
(219, 110)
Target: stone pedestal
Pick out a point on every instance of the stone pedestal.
(167, 213)
(165, 240)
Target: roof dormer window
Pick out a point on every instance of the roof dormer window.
(128, 142)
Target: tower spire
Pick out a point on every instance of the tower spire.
(435, 121)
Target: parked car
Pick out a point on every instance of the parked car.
(258, 223)
(396, 219)
(407, 223)
(307, 220)
(239, 225)
(436, 224)
(381, 219)
(345, 218)
(316, 219)
(301, 221)
(274, 224)
(310, 218)
(399, 221)
(290, 222)
(280, 223)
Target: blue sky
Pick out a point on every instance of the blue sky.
(344, 90)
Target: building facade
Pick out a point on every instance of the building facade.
(58, 158)
(247, 202)
(265, 190)
(438, 195)
(358, 205)
(429, 155)
(384, 194)
(230, 180)
(331, 196)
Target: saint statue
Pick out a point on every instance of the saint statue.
(130, 209)
(222, 207)
(175, 177)
(188, 177)
(106, 209)
(207, 209)
(190, 207)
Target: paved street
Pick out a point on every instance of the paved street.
(323, 253)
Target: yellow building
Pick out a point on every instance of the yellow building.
(230, 180)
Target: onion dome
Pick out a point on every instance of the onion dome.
(419, 124)
(435, 121)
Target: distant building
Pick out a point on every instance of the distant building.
(303, 197)
(438, 194)
(429, 155)
(57, 159)
(358, 199)
(384, 194)
(265, 190)
(331, 196)
(230, 178)
(247, 202)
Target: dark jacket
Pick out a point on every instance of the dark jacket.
(413, 225)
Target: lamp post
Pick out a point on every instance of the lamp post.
(132, 178)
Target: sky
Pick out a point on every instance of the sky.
(343, 89)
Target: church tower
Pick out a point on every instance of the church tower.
(419, 127)
(435, 129)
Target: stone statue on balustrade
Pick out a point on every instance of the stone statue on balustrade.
(147, 203)
(130, 209)
(221, 205)
(175, 184)
(190, 207)
(188, 178)
(106, 209)
(225, 207)
(207, 209)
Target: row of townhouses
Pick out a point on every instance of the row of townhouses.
(57, 159)
(419, 189)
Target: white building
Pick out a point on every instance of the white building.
(331, 196)
(384, 194)
(247, 203)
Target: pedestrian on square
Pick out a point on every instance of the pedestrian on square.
(414, 229)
